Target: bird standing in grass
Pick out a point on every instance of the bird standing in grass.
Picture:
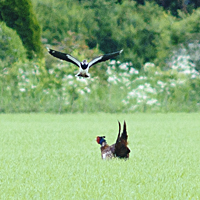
(84, 65)
(119, 149)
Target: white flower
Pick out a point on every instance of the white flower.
(133, 71)
(144, 96)
(172, 84)
(46, 91)
(22, 89)
(141, 78)
(112, 79)
(69, 76)
(109, 71)
(141, 87)
(123, 66)
(162, 84)
(81, 92)
(21, 71)
(147, 84)
(131, 94)
(152, 101)
(87, 89)
(71, 82)
(133, 107)
(112, 62)
(193, 76)
(51, 71)
(125, 102)
(187, 71)
(151, 90)
(125, 80)
(148, 66)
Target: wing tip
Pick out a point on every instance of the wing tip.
(121, 50)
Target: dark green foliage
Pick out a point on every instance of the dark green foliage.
(54, 24)
(174, 5)
(146, 32)
(19, 15)
(12, 48)
(104, 18)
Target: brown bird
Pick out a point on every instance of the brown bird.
(119, 149)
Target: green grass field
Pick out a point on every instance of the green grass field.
(46, 156)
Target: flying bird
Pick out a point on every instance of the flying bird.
(119, 149)
(84, 65)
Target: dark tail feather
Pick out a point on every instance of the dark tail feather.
(118, 137)
(121, 149)
(124, 133)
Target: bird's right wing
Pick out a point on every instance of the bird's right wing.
(104, 58)
(64, 56)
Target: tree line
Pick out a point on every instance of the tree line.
(145, 29)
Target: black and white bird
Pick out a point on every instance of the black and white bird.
(84, 65)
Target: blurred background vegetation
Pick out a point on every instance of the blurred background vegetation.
(158, 70)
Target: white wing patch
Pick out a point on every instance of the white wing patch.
(74, 60)
(94, 61)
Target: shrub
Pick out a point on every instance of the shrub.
(19, 15)
(12, 48)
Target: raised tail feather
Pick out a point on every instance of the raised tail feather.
(121, 149)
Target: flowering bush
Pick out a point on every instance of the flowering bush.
(30, 87)
(156, 90)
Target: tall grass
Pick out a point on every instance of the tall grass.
(46, 156)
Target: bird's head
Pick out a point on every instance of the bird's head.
(84, 64)
(100, 139)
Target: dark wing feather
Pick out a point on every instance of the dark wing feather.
(64, 56)
(103, 58)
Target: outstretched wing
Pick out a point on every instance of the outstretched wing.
(103, 58)
(64, 56)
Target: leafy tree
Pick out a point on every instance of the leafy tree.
(19, 15)
(173, 6)
(104, 18)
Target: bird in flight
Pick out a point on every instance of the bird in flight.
(84, 65)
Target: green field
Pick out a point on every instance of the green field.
(46, 156)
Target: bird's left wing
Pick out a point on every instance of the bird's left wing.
(64, 56)
(103, 58)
